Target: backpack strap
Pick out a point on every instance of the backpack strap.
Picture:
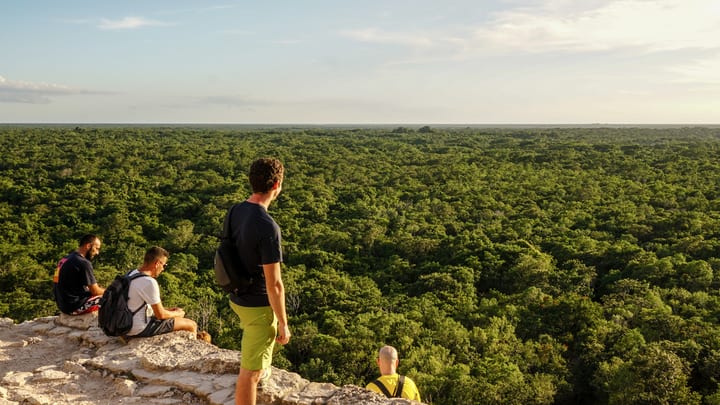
(399, 387)
(134, 276)
(226, 226)
(382, 387)
(130, 279)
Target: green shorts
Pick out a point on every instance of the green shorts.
(259, 327)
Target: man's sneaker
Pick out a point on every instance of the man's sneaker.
(265, 376)
(202, 335)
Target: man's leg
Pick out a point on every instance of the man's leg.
(185, 324)
(246, 387)
(157, 327)
(259, 329)
(92, 304)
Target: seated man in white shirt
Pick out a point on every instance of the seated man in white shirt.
(144, 291)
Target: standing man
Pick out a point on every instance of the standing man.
(390, 383)
(74, 286)
(261, 308)
(144, 292)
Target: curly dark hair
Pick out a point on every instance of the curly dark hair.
(264, 173)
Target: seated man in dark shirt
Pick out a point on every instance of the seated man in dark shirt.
(74, 286)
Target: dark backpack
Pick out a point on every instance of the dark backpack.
(114, 316)
(230, 274)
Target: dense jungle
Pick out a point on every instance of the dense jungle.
(506, 265)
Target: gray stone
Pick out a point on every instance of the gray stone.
(352, 394)
(74, 368)
(42, 328)
(34, 340)
(225, 381)
(222, 396)
(34, 398)
(154, 390)
(59, 330)
(84, 321)
(313, 393)
(20, 343)
(16, 379)
(174, 368)
(125, 387)
(50, 375)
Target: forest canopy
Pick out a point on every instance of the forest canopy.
(507, 266)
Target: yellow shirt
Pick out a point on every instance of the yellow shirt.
(390, 381)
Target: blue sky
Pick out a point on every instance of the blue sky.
(360, 62)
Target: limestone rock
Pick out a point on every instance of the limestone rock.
(352, 394)
(125, 387)
(50, 375)
(74, 368)
(84, 321)
(16, 379)
(153, 390)
(313, 393)
(68, 360)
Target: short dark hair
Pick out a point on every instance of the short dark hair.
(264, 173)
(89, 238)
(155, 253)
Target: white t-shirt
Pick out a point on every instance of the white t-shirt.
(142, 290)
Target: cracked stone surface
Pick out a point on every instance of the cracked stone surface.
(69, 360)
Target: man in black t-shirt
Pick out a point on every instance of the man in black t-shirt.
(261, 308)
(74, 286)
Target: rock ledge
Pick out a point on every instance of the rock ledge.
(68, 360)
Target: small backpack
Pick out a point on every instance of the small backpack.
(230, 273)
(114, 316)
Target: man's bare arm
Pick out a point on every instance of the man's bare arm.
(95, 289)
(276, 296)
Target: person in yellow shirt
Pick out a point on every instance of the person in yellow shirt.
(390, 383)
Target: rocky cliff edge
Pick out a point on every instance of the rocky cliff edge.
(69, 360)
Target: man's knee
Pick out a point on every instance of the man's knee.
(185, 324)
(251, 376)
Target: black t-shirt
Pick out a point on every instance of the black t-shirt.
(71, 290)
(258, 241)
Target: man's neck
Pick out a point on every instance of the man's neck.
(145, 269)
(262, 199)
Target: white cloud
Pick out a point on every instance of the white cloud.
(18, 85)
(562, 25)
(375, 35)
(647, 25)
(17, 91)
(129, 23)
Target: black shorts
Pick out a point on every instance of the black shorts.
(92, 304)
(157, 327)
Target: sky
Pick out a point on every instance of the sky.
(422, 62)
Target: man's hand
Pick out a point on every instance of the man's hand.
(283, 336)
(179, 312)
